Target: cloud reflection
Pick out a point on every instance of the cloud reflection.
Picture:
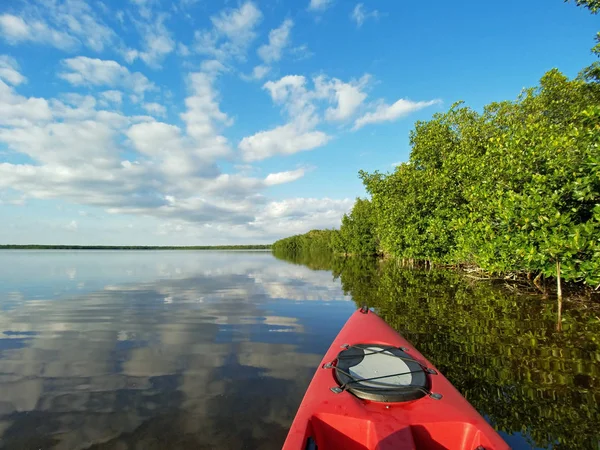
(205, 351)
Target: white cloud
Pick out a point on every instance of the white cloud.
(237, 186)
(130, 54)
(157, 42)
(238, 23)
(164, 145)
(319, 5)
(152, 138)
(299, 101)
(183, 50)
(212, 67)
(111, 96)
(284, 88)
(65, 25)
(69, 24)
(54, 145)
(284, 140)
(301, 52)
(16, 30)
(360, 14)
(279, 38)
(78, 17)
(295, 136)
(299, 215)
(85, 150)
(232, 33)
(97, 72)
(302, 106)
(16, 110)
(258, 73)
(347, 96)
(9, 71)
(203, 113)
(284, 177)
(291, 92)
(388, 113)
(158, 45)
(270, 221)
(172, 176)
(74, 106)
(299, 207)
(144, 7)
(169, 173)
(155, 109)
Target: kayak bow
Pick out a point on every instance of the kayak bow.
(374, 391)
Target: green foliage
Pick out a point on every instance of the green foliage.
(415, 205)
(356, 236)
(313, 242)
(538, 184)
(357, 233)
(514, 189)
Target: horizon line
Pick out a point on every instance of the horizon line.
(133, 247)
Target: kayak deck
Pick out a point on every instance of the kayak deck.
(331, 417)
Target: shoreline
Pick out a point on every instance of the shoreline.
(134, 247)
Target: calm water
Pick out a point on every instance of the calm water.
(153, 350)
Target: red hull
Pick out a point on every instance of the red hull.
(343, 421)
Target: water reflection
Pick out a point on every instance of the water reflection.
(175, 350)
(152, 350)
(540, 387)
(49, 274)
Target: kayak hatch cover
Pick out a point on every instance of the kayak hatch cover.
(374, 391)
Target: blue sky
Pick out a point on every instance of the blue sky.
(209, 122)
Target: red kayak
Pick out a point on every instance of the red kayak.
(374, 390)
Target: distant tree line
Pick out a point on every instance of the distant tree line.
(513, 189)
(134, 247)
(313, 242)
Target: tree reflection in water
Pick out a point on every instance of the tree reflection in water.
(500, 349)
